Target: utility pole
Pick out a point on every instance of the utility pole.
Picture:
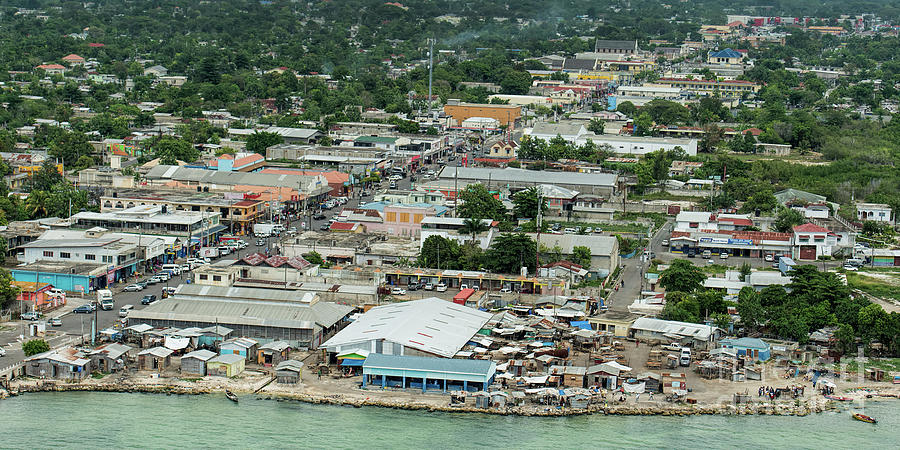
(430, 70)
(537, 221)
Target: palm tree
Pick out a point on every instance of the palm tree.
(473, 227)
(36, 204)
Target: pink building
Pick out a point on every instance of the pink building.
(403, 220)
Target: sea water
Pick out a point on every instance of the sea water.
(119, 420)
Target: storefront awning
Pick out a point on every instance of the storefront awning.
(352, 362)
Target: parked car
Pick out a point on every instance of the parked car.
(83, 309)
(463, 286)
(664, 242)
(429, 286)
(569, 231)
(133, 288)
(691, 254)
(441, 287)
(2, 351)
(56, 293)
(55, 322)
(170, 290)
(34, 315)
(398, 291)
(260, 242)
(723, 255)
(325, 227)
(148, 299)
(319, 216)
(769, 258)
(505, 290)
(674, 347)
(153, 280)
(850, 267)
(413, 287)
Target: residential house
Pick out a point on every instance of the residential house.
(503, 149)
(679, 168)
(52, 69)
(876, 212)
(211, 336)
(66, 364)
(156, 71)
(273, 353)
(608, 375)
(239, 162)
(289, 372)
(571, 132)
(226, 365)
(73, 60)
(194, 363)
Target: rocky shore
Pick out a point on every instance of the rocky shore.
(802, 407)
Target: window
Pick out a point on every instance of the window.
(107, 259)
(90, 257)
(404, 217)
(48, 254)
(65, 255)
(203, 276)
(391, 216)
(217, 278)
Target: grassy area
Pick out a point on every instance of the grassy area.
(663, 195)
(873, 286)
(886, 364)
(658, 218)
(97, 375)
(715, 269)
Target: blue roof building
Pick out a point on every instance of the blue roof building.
(428, 373)
(727, 56)
(752, 347)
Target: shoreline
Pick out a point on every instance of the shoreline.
(803, 407)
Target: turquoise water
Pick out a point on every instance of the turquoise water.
(110, 420)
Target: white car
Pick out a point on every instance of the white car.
(429, 286)
(769, 258)
(441, 287)
(505, 290)
(850, 267)
(133, 288)
(2, 351)
(55, 293)
(398, 291)
(569, 231)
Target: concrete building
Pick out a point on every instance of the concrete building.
(812, 241)
(427, 327)
(70, 276)
(448, 227)
(507, 115)
(876, 212)
(640, 145)
(727, 56)
(514, 179)
(616, 47)
(436, 374)
(604, 250)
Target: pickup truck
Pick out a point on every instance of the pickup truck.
(673, 347)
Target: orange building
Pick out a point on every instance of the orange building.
(505, 114)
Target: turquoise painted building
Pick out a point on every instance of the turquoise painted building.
(753, 347)
(436, 374)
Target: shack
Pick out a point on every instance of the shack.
(211, 336)
(156, 358)
(752, 348)
(67, 364)
(194, 363)
(569, 376)
(289, 372)
(227, 365)
(109, 357)
(420, 372)
(607, 375)
(272, 353)
(245, 347)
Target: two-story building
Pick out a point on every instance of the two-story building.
(812, 241)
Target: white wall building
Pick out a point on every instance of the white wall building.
(876, 212)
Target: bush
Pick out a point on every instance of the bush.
(35, 346)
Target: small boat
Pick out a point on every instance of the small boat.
(231, 396)
(839, 398)
(864, 418)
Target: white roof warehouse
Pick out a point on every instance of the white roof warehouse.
(427, 327)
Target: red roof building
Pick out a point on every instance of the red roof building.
(346, 227)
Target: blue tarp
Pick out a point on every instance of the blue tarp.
(352, 362)
(583, 324)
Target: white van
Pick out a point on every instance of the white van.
(174, 269)
(124, 310)
(685, 357)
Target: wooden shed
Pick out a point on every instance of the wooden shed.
(228, 365)
(289, 372)
(194, 363)
(273, 353)
(156, 358)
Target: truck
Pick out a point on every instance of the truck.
(267, 229)
(105, 299)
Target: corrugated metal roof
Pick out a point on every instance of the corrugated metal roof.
(529, 176)
(693, 330)
(238, 311)
(478, 367)
(431, 325)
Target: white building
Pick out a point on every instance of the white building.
(448, 228)
(876, 212)
(695, 221)
(639, 145)
(812, 241)
(427, 327)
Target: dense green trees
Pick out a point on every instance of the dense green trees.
(509, 252)
(170, 150)
(35, 346)
(527, 202)
(682, 276)
(478, 203)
